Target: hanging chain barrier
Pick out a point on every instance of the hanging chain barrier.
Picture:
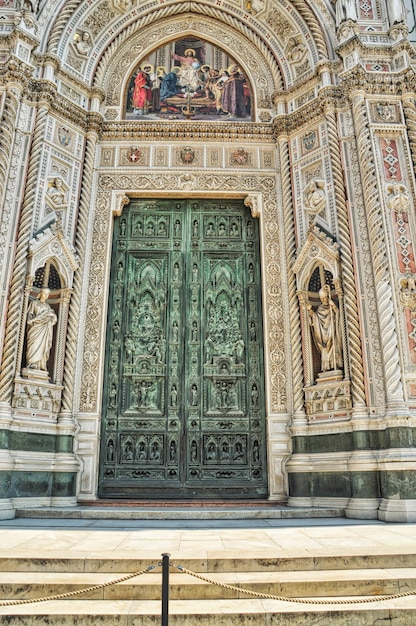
(267, 596)
(166, 564)
(78, 592)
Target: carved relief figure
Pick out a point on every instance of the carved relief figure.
(82, 43)
(326, 330)
(314, 198)
(40, 322)
(56, 193)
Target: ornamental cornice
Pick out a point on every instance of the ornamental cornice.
(45, 92)
(390, 50)
(15, 71)
(377, 83)
(47, 59)
(243, 132)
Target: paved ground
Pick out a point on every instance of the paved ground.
(204, 539)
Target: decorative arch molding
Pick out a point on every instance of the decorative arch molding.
(303, 22)
(263, 76)
(52, 244)
(318, 248)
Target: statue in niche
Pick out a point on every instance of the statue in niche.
(254, 395)
(253, 332)
(116, 330)
(130, 348)
(194, 332)
(194, 451)
(172, 451)
(112, 397)
(326, 330)
(123, 228)
(209, 350)
(194, 395)
(396, 12)
(239, 350)
(195, 273)
(82, 43)
(110, 451)
(256, 451)
(345, 10)
(175, 332)
(175, 273)
(40, 322)
(210, 232)
(173, 396)
(195, 229)
(314, 198)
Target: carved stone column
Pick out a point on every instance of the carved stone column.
(307, 355)
(19, 270)
(394, 386)
(409, 108)
(299, 416)
(80, 246)
(7, 124)
(349, 288)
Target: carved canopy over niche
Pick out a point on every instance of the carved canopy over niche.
(189, 78)
(261, 71)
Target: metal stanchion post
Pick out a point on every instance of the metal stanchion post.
(165, 589)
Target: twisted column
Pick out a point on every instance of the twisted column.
(80, 246)
(409, 108)
(66, 12)
(19, 271)
(391, 358)
(299, 416)
(349, 290)
(7, 124)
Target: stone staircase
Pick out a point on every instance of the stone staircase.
(136, 602)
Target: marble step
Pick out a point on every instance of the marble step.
(104, 564)
(50, 562)
(179, 512)
(328, 583)
(225, 612)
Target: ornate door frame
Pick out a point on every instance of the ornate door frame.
(261, 194)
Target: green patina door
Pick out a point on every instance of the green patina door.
(183, 402)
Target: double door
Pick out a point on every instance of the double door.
(183, 401)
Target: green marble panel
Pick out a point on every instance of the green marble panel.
(334, 485)
(338, 442)
(400, 484)
(5, 484)
(35, 442)
(38, 484)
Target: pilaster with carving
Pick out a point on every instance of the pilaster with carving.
(350, 293)
(299, 417)
(80, 246)
(19, 269)
(392, 372)
(409, 109)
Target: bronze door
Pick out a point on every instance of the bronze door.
(183, 401)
